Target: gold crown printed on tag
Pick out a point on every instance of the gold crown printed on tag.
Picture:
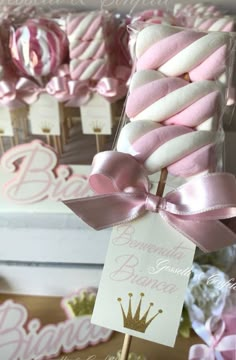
(97, 127)
(137, 322)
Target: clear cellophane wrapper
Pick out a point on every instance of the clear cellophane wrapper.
(172, 105)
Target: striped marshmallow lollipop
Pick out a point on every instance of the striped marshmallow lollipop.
(183, 151)
(173, 101)
(195, 9)
(84, 50)
(175, 52)
(38, 47)
(225, 23)
(158, 103)
(154, 17)
(85, 26)
(88, 69)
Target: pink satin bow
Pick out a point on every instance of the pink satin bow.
(216, 343)
(81, 91)
(8, 96)
(29, 90)
(193, 209)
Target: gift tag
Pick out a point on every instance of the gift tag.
(96, 116)
(144, 280)
(45, 116)
(6, 128)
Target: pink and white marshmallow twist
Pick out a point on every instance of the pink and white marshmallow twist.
(174, 52)
(38, 47)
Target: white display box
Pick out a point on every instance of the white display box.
(49, 238)
(47, 280)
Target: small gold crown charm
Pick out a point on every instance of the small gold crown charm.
(82, 304)
(136, 322)
(46, 127)
(46, 130)
(97, 127)
(2, 131)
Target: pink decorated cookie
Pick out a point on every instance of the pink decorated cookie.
(174, 52)
(38, 47)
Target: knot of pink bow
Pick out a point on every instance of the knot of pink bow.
(8, 95)
(29, 91)
(73, 92)
(217, 342)
(194, 209)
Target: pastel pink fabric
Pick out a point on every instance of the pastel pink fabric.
(218, 345)
(123, 188)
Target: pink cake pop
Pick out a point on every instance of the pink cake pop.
(38, 47)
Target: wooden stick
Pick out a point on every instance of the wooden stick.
(55, 145)
(59, 145)
(98, 143)
(126, 347)
(12, 142)
(16, 137)
(162, 182)
(1, 146)
(159, 192)
(24, 122)
(48, 139)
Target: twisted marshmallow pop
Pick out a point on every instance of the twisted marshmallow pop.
(86, 26)
(224, 23)
(87, 35)
(39, 47)
(175, 52)
(195, 9)
(182, 149)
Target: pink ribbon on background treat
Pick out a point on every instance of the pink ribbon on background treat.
(193, 209)
(8, 95)
(217, 342)
(73, 92)
(29, 91)
(110, 88)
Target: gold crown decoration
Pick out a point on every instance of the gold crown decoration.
(137, 322)
(2, 131)
(46, 127)
(97, 127)
(82, 304)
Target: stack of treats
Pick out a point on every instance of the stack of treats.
(89, 44)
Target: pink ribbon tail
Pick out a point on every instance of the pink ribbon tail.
(216, 342)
